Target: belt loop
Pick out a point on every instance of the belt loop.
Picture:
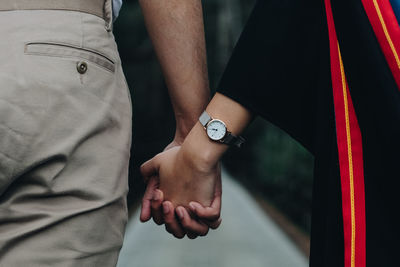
(108, 11)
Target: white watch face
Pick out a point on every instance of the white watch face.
(216, 130)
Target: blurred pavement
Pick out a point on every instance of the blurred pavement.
(246, 238)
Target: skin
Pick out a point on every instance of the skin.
(177, 33)
(176, 184)
(186, 172)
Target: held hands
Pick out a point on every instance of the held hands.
(175, 180)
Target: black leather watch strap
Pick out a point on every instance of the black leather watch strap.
(233, 140)
(229, 138)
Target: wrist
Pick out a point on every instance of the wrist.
(185, 122)
(200, 152)
(203, 153)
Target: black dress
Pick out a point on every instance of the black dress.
(292, 66)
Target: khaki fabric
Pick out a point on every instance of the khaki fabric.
(65, 139)
(95, 7)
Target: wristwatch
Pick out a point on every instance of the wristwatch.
(216, 131)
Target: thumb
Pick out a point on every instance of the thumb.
(211, 213)
(150, 167)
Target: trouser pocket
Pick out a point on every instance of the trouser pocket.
(67, 50)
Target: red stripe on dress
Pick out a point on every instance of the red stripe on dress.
(350, 156)
(387, 30)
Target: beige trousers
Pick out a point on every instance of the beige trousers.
(65, 136)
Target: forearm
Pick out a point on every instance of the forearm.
(203, 152)
(177, 32)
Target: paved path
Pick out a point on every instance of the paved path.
(246, 238)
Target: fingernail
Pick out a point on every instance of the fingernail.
(192, 206)
(165, 208)
(180, 213)
(157, 196)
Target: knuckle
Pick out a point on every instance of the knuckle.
(179, 235)
(143, 173)
(192, 236)
(168, 229)
(217, 224)
(216, 214)
(204, 232)
(158, 221)
(214, 227)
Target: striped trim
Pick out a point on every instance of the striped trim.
(387, 31)
(350, 156)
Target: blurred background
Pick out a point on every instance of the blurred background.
(271, 174)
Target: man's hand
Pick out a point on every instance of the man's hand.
(177, 33)
(181, 182)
